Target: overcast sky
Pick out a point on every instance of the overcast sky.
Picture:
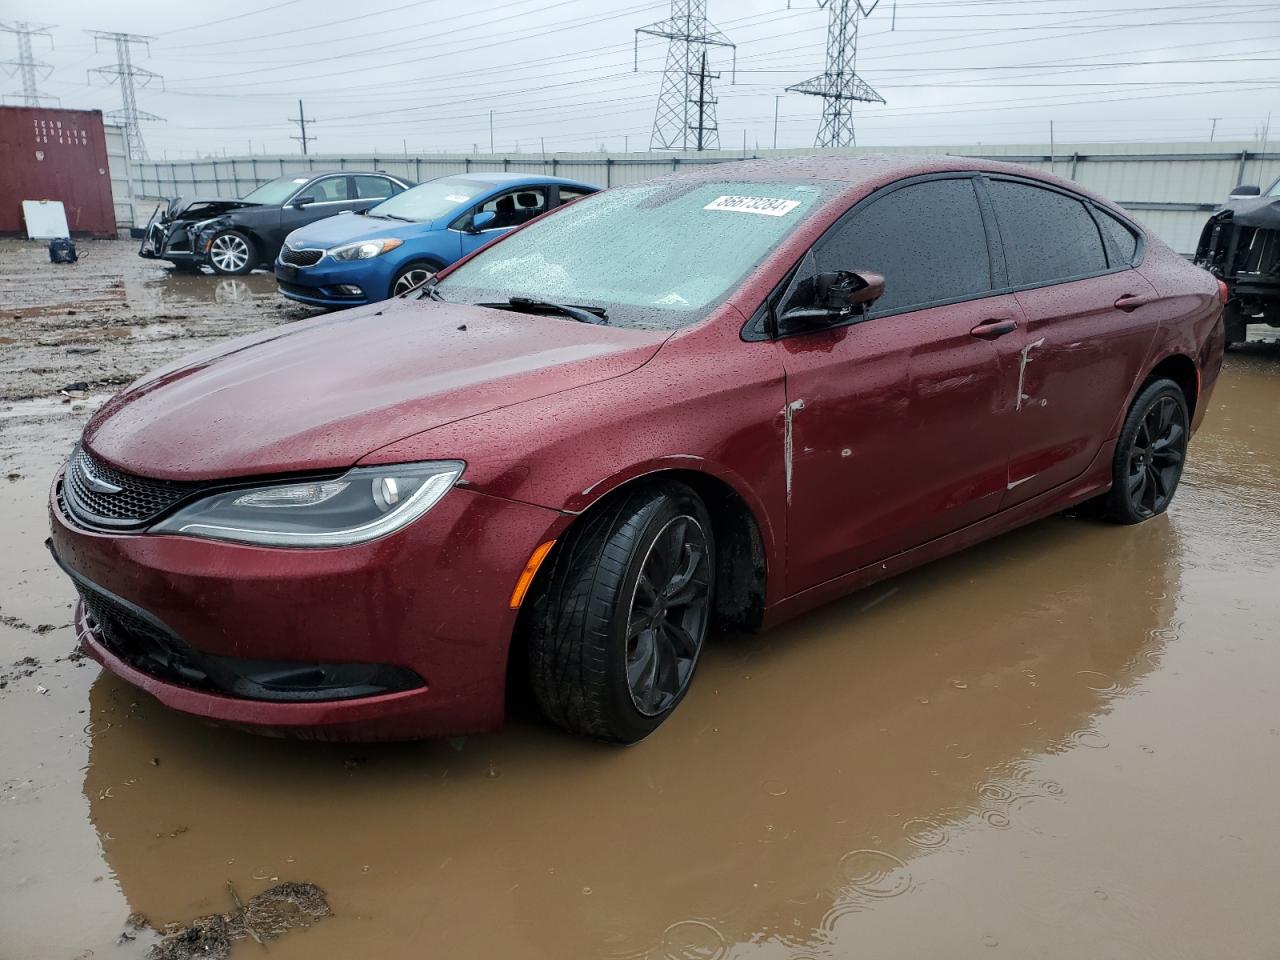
(391, 75)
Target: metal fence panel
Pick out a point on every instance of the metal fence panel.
(1170, 187)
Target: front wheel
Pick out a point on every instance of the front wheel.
(411, 276)
(231, 253)
(616, 632)
(1149, 454)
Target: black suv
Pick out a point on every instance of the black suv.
(1240, 245)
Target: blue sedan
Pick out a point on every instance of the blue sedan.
(359, 258)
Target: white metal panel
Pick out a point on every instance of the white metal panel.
(45, 219)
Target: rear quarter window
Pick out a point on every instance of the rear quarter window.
(1048, 236)
(1124, 242)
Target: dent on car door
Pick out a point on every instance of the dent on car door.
(897, 424)
(1081, 353)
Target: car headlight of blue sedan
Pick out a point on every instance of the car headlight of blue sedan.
(365, 249)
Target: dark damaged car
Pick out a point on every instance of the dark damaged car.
(236, 236)
(1240, 245)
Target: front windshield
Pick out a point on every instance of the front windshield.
(657, 255)
(430, 200)
(275, 191)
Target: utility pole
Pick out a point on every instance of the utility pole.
(775, 121)
(684, 81)
(26, 66)
(302, 121)
(1213, 129)
(490, 132)
(129, 77)
(840, 86)
(705, 105)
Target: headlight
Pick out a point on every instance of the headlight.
(365, 249)
(363, 504)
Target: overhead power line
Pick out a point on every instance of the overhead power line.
(26, 66)
(127, 76)
(686, 107)
(839, 85)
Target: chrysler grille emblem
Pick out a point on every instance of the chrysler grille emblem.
(96, 483)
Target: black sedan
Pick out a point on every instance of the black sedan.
(235, 236)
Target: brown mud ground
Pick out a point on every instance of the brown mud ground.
(1063, 743)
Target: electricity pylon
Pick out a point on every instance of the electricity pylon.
(686, 109)
(840, 86)
(125, 73)
(26, 65)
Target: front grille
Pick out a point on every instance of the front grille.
(141, 643)
(146, 644)
(137, 501)
(300, 258)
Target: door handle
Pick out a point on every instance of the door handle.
(993, 329)
(1131, 302)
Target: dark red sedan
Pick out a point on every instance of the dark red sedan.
(717, 398)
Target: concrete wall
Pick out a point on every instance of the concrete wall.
(1170, 187)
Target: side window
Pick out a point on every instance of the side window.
(1048, 236)
(1121, 236)
(515, 207)
(374, 188)
(326, 191)
(927, 239)
(568, 193)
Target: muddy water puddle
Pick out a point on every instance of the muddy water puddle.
(1063, 743)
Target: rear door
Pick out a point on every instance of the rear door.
(1090, 320)
(898, 424)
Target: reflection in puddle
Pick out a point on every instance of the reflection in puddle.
(801, 784)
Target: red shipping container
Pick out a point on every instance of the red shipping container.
(50, 154)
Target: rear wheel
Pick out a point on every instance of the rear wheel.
(1149, 454)
(231, 253)
(616, 633)
(1235, 323)
(412, 275)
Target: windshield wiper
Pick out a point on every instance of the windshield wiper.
(429, 290)
(386, 216)
(582, 314)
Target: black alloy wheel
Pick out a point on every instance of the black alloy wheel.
(1150, 454)
(617, 617)
(668, 617)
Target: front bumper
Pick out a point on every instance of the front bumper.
(428, 603)
(320, 284)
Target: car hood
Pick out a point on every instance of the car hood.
(200, 208)
(350, 227)
(1263, 212)
(322, 393)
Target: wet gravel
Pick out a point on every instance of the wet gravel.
(1063, 743)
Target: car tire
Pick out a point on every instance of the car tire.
(1235, 324)
(412, 275)
(619, 623)
(232, 253)
(1150, 454)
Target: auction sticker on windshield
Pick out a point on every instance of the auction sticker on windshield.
(768, 206)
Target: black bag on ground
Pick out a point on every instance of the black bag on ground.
(62, 250)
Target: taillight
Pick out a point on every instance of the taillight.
(1224, 292)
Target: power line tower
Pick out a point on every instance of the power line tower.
(840, 86)
(302, 121)
(129, 77)
(27, 66)
(685, 104)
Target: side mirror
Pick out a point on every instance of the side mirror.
(1247, 190)
(482, 220)
(303, 201)
(835, 298)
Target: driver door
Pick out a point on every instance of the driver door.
(511, 209)
(897, 424)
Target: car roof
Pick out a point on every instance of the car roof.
(869, 171)
(499, 179)
(317, 174)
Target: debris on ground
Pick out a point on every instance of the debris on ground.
(22, 669)
(266, 916)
